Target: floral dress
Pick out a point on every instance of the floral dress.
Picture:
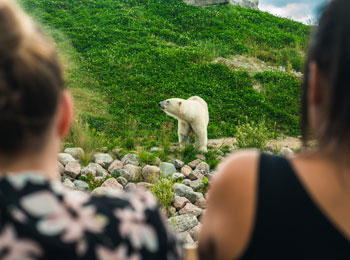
(41, 219)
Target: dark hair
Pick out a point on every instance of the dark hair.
(31, 81)
(330, 50)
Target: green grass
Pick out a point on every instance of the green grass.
(130, 54)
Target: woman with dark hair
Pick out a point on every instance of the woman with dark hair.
(269, 207)
(39, 218)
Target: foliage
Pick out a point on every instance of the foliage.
(188, 153)
(163, 190)
(203, 187)
(135, 53)
(252, 135)
(146, 157)
(93, 182)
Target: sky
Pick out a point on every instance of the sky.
(304, 11)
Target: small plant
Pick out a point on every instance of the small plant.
(92, 182)
(146, 157)
(211, 158)
(252, 135)
(189, 153)
(204, 186)
(163, 190)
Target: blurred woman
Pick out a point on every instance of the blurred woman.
(39, 218)
(269, 207)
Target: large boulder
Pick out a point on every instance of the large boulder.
(183, 223)
(65, 158)
(187, 192)
(149, 172)
(131, 158)
(72, 169)
(95, 170)
(76, 152)
(103, 159)
(116, 164)
(130, 172)
(167, 169)
(112, 183)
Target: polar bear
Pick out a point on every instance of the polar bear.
(192, 115)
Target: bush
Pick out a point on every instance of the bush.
(163, 190)
(252, 135)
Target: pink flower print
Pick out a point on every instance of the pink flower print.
(143, 200)
(119, 253)
(17, 249)
(133, 227)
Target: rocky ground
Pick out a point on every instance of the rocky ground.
(189, 182)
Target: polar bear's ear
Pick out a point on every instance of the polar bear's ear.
(180, 102)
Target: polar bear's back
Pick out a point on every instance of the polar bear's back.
(203, 104)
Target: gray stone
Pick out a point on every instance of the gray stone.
(72, 169)
(185, 237)
(194, 196)
(194, 163)
(116, 164)
(157, 161)
(131, 159)
(112, 183)
(103, 159)
(130, 186)
(200, 157)
(180, 202)
(106, 191)
(81, 185)
(287, 152)
(195, 184)
(203, 168)
(177, 176)
(185, 191)
(130, 172)
(195, 231)
(76, 152)
(95, 170)
(201, 203)
(195, 175)
(149, 172)
(122, 181)
(191, 209)
(167, 169)
(183, 223)
(186, 182)
(65, 158)
(144, 185)
(178, 164)
(60, 168)
(253, 4)
(68, 183)
(155, 149)
(244, 3)
(186, 170)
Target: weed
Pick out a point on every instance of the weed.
(203, 187)
(146, 157)
(163, 190)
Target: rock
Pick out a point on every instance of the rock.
(177, 176)
(60, 168)
(95, 170)
(194, 163)
(201, 203)
(191, 209)
(195, 184)
(185, 238)
(186, 182)
(155, 149)
(195, 231)
(81, 185)
(157, 161)
(105, 191)
(144, 185)
(185, 191)
(167, 169)
(285, 151)
(103, 159)
(186, 170)
(131, 159)
(116, 164)
(130, 172)
(65, 158)
(72, 169)
(200, 157)
(183, 223)
(122, 181)
(130, 186)
(180, 202)
(112, 183)
(76, 152)
(195, 175)
(203, 168)
(68, 183)
(178, 164)
(150, 172)
(253, 4)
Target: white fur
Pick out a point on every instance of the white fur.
(192, 115)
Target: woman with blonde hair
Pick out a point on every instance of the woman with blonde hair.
(39, 218)
(269, 207)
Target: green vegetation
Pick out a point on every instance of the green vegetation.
(251, 135)
(92, 182)
(163, 190)
(125, 56)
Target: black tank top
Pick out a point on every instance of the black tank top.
(288, 224)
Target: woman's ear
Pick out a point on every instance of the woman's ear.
(315, 90)
(65, 116)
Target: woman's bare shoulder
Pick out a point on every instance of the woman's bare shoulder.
(231, 207)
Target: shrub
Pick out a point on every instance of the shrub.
(163, 190)
(252, 135)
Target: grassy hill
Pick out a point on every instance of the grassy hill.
(127, 55)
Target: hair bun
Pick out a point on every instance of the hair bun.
(10, 30)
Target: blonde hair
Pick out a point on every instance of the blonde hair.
(31, 81)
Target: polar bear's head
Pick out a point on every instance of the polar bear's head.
(172, 106)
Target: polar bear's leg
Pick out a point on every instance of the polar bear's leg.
(183, 132)
(201, 137)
